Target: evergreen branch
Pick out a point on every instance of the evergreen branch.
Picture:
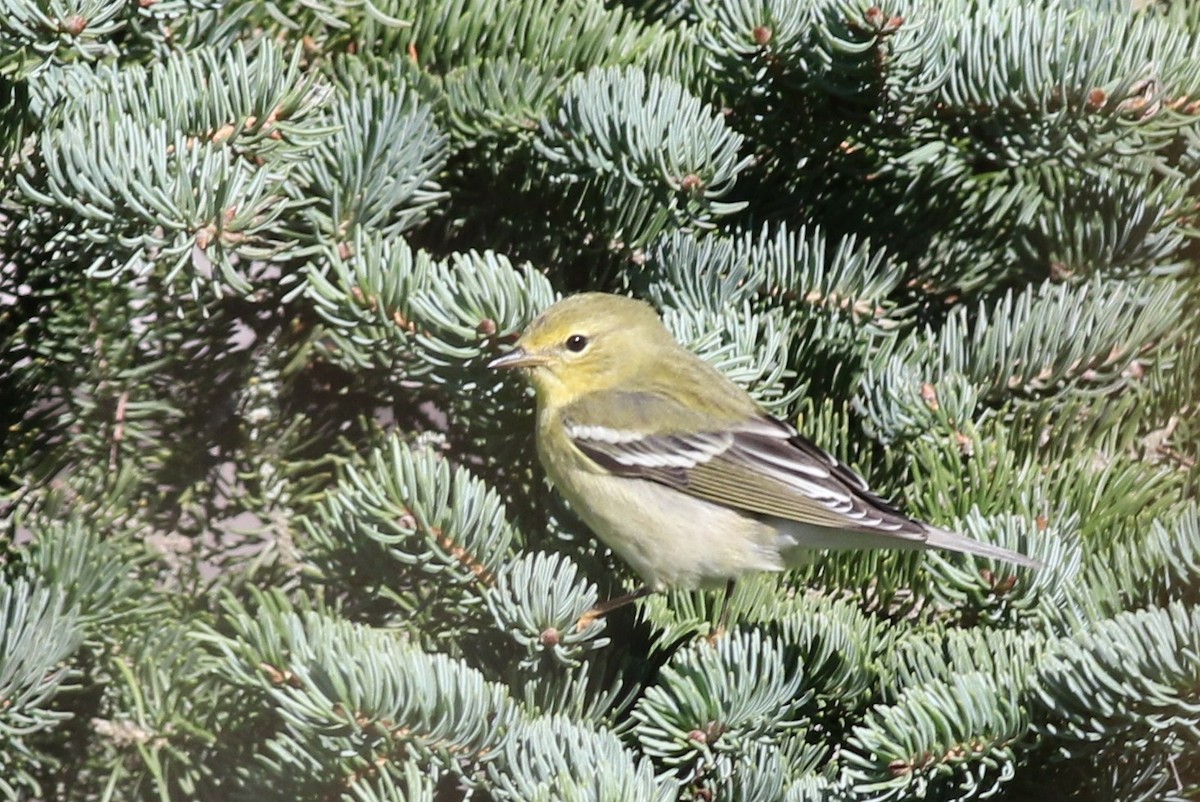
(752, 348)
(649, 147)
(474, 301)
(647, 171)
(33, 34)
(1107, 496)
(37, 635)
(1129, 677)
(589, 692)
(679, 616)
(395, 308)
(1059, 83)
(261, 105)
(407, 782)
(838, 645)
(958, 736)
(760, 773)
(570, 33)
(180, 199)
(1039, 343)
(96, 577)
(1003, 596)
(798, 267)
(703, 703)
(939, 654)
(552, 758)
(901, 397)
(432, 519)
(1149, 565)
(167, 707)
(331, 681)
(756, 42)
(1105, 327)
(537, 599)
(1101, 221)
(501, 99)
(379, 169)
(815, 787)
(820, 84)
(364, 296)
(164, 168)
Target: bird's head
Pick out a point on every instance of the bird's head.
(586, 343)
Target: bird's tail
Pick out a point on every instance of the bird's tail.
(797, 540)
(952, 541)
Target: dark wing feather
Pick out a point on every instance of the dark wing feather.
(760, 465)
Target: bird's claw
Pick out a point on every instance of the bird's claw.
(587, 619)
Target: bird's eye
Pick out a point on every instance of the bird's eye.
(576, 343)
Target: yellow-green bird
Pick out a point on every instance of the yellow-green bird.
(678, 470)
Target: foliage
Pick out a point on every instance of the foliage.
(272, 530)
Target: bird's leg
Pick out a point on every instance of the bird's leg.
(723, 619)
(604, 608)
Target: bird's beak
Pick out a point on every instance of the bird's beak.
(517, 358)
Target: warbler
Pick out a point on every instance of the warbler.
(678, 470)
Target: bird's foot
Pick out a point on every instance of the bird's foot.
(604, 608)
(715, 634)
(587, 619)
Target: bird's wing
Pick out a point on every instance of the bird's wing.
(760, 465)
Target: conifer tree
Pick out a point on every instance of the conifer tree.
(272, 530)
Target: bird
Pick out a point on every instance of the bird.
(678, 470)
